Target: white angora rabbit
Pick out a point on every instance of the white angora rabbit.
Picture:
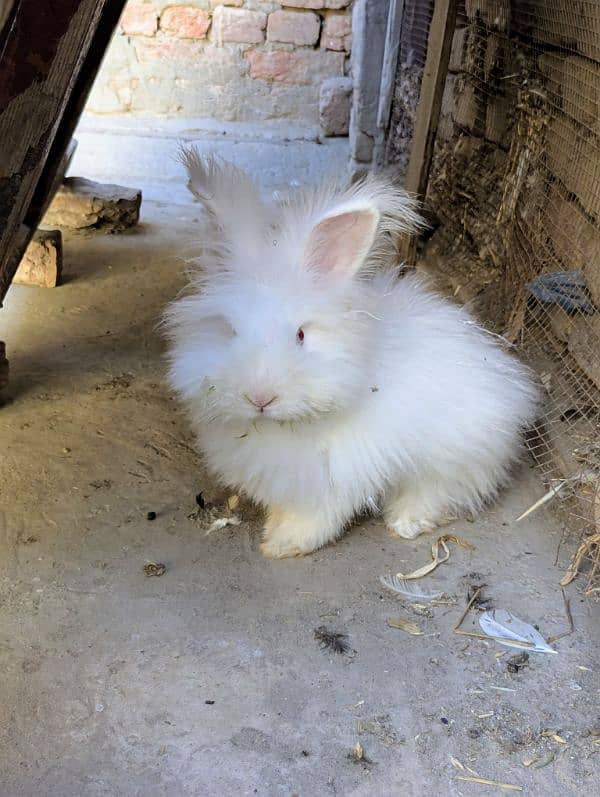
(318, 382)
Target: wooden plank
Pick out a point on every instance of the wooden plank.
(391, 52)
(7, 9)
(63, 146)
(40, 65)
(441, 31)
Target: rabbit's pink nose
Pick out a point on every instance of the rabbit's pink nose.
(261, 400)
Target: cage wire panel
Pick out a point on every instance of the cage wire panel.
(416, 18)
(515, 188)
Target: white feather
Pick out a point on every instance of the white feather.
(508, 629)
(408, 588)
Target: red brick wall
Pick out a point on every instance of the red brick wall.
(238, 60)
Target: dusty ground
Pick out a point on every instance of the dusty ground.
(208, 680)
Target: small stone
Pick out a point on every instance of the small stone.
(155, 569)
(81, 203)
(514, 663)
(473, 733)
(151, 516)
(334, 106)
(42, 262)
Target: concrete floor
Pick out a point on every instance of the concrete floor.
(208, 680)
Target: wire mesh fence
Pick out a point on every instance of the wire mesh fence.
(416, 19)
(516, 191)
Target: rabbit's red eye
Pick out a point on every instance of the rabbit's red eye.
(300, 335)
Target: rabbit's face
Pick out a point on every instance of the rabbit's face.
(279, 327)
(257, 351)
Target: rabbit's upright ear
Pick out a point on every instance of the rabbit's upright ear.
(339, 243)
(234, 210)
(359, 226)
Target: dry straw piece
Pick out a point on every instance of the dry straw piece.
(404, 625)
(436, 557)
(486, 782)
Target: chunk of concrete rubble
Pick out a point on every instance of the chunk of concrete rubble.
(334, 106)
(80, 203)
(42, 262)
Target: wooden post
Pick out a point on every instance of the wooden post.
(49, 56)
(439, 45)
(46, 55)
(393, 37)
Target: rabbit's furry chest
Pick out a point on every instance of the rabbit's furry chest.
(301, 464)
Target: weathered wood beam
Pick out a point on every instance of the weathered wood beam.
(49, 55)
(439, 45)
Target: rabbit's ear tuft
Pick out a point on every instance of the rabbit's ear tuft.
(340, 243)
(234, 212)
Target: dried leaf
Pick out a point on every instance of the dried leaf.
(554, 736)
(233, 502)
(358, 755)
(437, 559)
(512, 632)
(577, 559)
(403, 587)
(404, 625)
(456, 763)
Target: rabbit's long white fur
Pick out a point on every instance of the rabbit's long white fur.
(319, 382)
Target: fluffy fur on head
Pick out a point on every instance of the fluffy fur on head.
(317, 381)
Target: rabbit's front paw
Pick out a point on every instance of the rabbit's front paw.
(288, 534)
(274, 548)
(409, 529)
(415, 512)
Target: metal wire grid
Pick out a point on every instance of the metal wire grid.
(516, 188)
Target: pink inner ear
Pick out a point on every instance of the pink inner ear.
(339, 244)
